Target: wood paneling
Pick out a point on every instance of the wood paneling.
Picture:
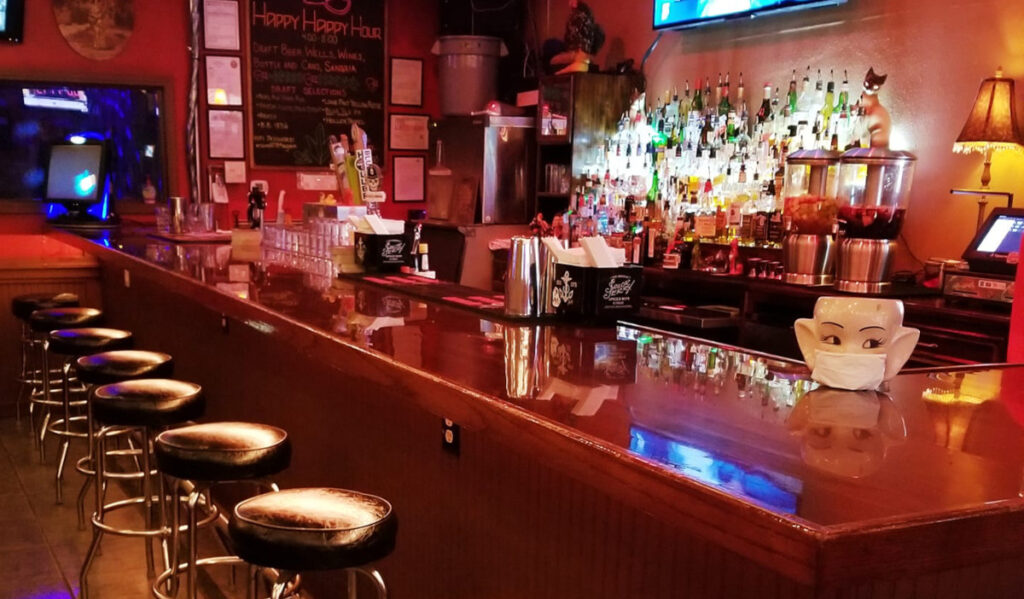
(522, 512)
(26, 277)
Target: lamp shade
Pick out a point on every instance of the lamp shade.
(992, 124)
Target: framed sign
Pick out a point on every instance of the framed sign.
(407, 82)
(227, 134)
(409, 175)
(223, 81)
(220, 25)
(409, 132)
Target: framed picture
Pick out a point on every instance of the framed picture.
(409, 132)
(223, 81)
(221, 26)
(409, 176)
(407, 82)
(227, 134)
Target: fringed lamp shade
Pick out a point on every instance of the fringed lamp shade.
(992, 124)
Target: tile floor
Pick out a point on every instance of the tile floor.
(41, 546)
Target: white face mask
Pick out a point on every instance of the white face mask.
(854, 372)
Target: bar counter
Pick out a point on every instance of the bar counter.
(615, 461)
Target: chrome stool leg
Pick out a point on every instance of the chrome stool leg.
(100, 527)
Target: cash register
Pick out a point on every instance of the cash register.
(992, 256)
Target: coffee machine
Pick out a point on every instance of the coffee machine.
(874, 191)
(810, 217)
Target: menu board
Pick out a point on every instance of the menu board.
(316, 67)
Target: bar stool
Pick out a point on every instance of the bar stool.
(104, 369)
(314, 529)
(30, 376)
(148, 405)
(203, 455)
(42, 322)
(72, 344)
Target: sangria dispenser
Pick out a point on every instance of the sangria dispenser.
(810, 217)
(874, 191)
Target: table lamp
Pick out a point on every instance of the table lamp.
(991, 127)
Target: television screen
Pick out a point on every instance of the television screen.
(75, 174)
(676, 14)
(12, 13)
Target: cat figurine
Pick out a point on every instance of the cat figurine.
(877, 118)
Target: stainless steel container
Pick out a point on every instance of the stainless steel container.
(809, 259)
(522, 278)
(865, 265)
(179, 209)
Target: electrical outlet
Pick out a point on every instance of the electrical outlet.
(127, 279)
(451, 437)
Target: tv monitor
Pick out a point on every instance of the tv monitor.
(996, 247)
(75, 174)
(682, 14)
(12, 20)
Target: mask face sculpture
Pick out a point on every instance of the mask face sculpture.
(846, 433)
(855, 343)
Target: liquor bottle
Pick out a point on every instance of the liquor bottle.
(844, 95)
(723, 92)
(828, 108)
(684, 104)
(792, 97)
(764, 113)
(698, 100)
(708, 106)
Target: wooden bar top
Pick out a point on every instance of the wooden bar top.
(738, 447)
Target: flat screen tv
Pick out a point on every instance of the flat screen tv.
(681, 14)
(12, 20)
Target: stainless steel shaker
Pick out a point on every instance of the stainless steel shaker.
(178, 207)
(522, 277)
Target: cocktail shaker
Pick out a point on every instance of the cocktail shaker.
(178, 207)
(522, 277)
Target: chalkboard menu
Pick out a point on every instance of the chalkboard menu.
(317, 66)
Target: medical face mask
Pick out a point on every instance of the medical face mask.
(854, 372)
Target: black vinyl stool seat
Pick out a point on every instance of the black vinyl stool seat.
(104, 369)
(23, 306)
(147, 404)
(46, 320)
(313, 529)
(30, 376)
(117, 366)
(200, 456)
(88, 340)
(223, 451)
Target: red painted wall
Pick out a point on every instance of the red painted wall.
(411, 30)
(157, 54)
(154, 55)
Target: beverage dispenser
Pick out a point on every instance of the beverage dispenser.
(874, 191)
(810, 217)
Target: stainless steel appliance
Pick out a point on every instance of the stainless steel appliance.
(874, 191)
(492, 162)
(808, 249)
